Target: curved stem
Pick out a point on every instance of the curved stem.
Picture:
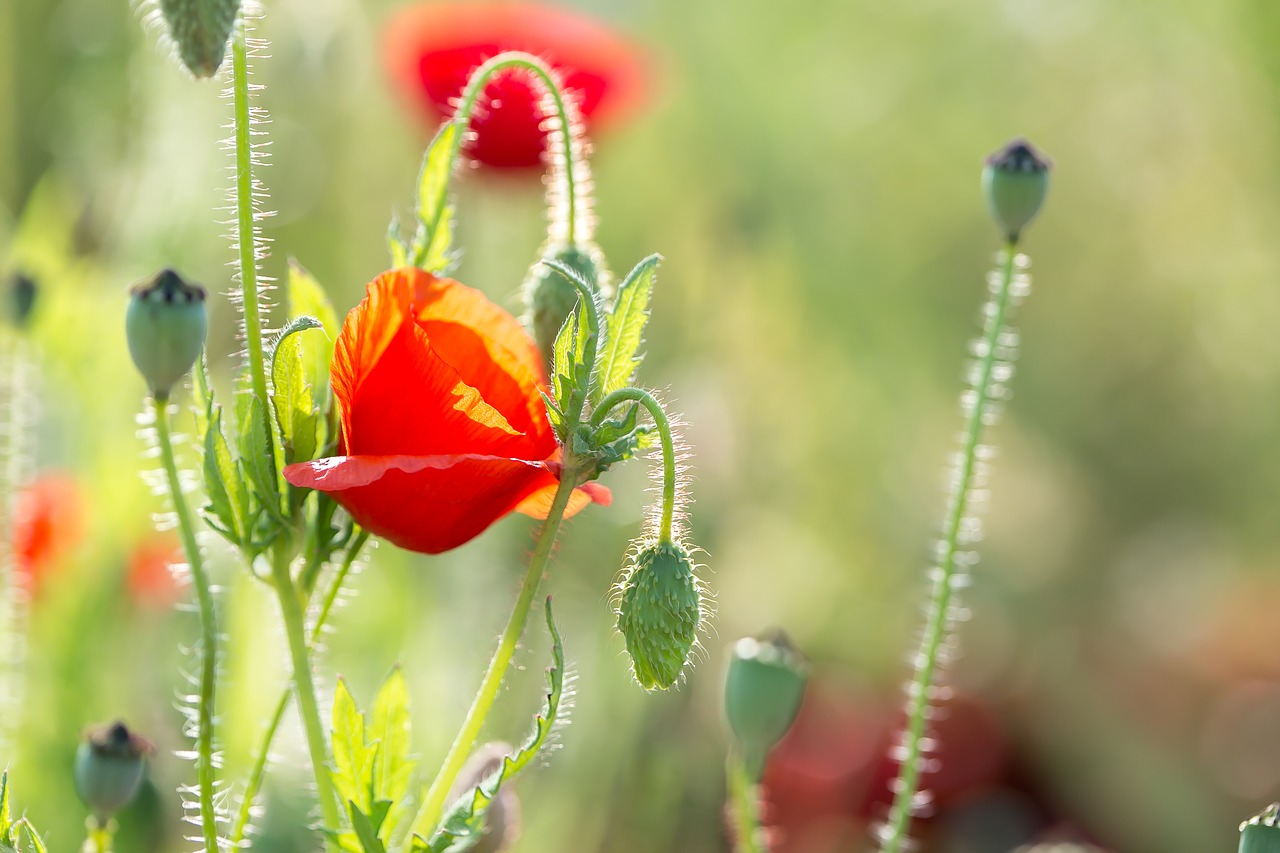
(304, 686)
(659, 416)
(921, 689)
(744, 807)
(433, 804)
(259, 771)
(208, 628)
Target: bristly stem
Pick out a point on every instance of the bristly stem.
(208, 628)
(663, 423)
(958, 532)
(434, 802)
(744, 807)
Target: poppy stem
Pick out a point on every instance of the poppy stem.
(663, 423)
(744, 807)
(994, 351)
(433, 804)
(208, 628)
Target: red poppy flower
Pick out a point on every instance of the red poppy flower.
(443, 425)
(48, 520)
(150, 581)
(431, 49)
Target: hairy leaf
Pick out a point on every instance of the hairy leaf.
(353, 759)
(430, 250)
(293, 396)
(228, 501)
(624, 330)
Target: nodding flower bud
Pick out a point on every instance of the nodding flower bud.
(22, 299)
(549, 297)
(166, 324)
(200, 29)
(660, 607)
(502, 819)
(110, 764)
(1260, 833)
(762, 694)
(1015, 181)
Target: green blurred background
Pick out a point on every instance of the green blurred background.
(810, 173)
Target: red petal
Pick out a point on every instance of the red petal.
(538, 504)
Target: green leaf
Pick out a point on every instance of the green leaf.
(562, 359)
(353, 759)
(306, 298)
(430, 250)
(34, 841)
(365, 830)
(624, 330)
(300, 420)
(255, 456)
(228, 501)
(389, 727)
(463, 824)
(399, 254)
(5, 825)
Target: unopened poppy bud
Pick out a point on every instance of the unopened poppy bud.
(110, 764)
(549, 297)
(1260, 833)
(762, 695)
(166, 324)
(1015, 181)
(200, 29)
(502, 819)
(660, 608)
(22, 298)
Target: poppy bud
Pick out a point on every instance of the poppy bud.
(762, 695)
(200, 29)
(22, 298)
(1015, 181)
(110, 763)
(549, 297)
(502, 819)
(1260, 833)
(165, 324)
(660, 608)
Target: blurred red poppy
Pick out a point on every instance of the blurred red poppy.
(443, 425)
(48, 520)
(431, 49)
(150, 581)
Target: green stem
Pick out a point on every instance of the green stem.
(101, 835)
(921, 690)
(259, 771)
(208, 629)
(744, 806)
(433, 804)
(659, 416)
(304, 685)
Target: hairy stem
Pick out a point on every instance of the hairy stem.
(208, 629)
(920, 692)
(744, 807)
(663, 423)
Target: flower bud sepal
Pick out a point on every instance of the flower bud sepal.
(661, 606)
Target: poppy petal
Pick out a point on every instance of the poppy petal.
(538, 504)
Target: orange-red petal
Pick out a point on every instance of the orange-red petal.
(538, 504)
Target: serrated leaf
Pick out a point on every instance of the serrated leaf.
(430, 250)
(389, 727)
(255, 457)
(624, 330)
(34, 841)
(562, 359)
(395, 246)
(463, 825)
(365, 830)
(202, 396)
(306, 298)
(5, 825)
(293, 396)
(554, 415)
(353, 760)
(228, 501)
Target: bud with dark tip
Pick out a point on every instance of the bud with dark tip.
(201, 30)
(110, 764)
(549, 297)
(166, 324)
(762, 695)
(502, 819)
(1260, 833)
(660, 607)
(22, 298)
(1015, 181)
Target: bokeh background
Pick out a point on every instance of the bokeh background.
(810, 173)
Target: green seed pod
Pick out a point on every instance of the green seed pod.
(502, 818)
(166, 324)
(549, 298)
(201, 30)
(110, 764)
(22, 299)
(1260, 833)
(762, 695)
(660, 608)
(1015, 181)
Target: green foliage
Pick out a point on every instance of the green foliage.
(615, 440)
(301, 422)
(431, 242)
(624, 330)
(306, 298)
(372, 770)
(14, 832)
(463, 825)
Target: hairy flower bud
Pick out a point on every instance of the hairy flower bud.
(110, 764)
(166, 324)
(22, 298)
(200, 29)
(502, 819)
(660, 609)
(762, 694)
(1015, 181)
(1260, 833)
(549, 297)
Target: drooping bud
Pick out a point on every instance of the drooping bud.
(549, 297)
(1015, 181)
(201, 30)
(762, 694)
(502, 819)
(22, 298)
(660, 609)
(110, 764)
(1260, 833)
(166, 324)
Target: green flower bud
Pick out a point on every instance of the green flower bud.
(22, 298)
(660, 609)
(1260, 833)
(502, 818)
(549, 297)
(110, 764)
(200, 29)
(165, 324)
(762, 695)
(1015, 181)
